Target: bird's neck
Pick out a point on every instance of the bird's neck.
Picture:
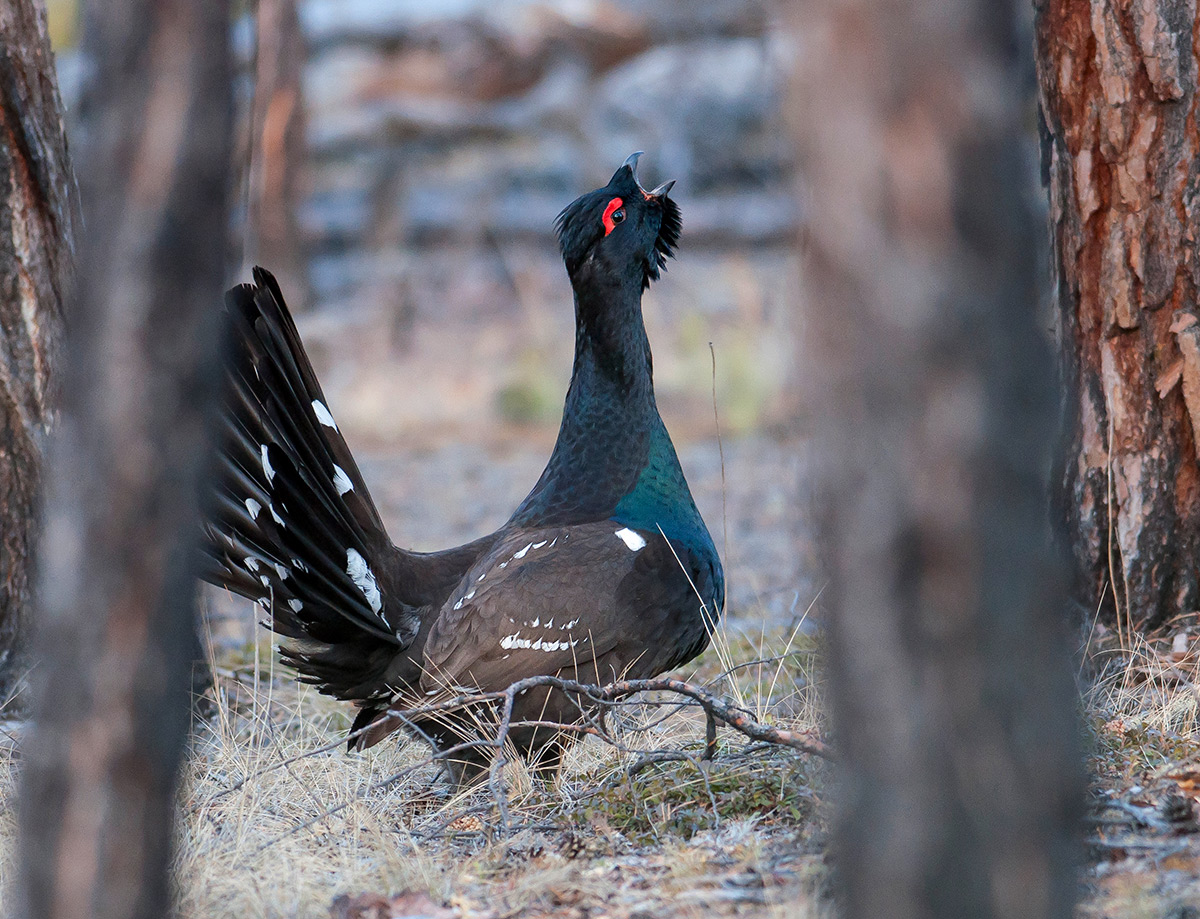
(613, 375)
(610, 414)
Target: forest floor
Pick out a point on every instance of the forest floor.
(279, 821)
(1142, 720)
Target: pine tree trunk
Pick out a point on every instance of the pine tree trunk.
(935, 399)
(37, 215)
(1122, 151)
(116, 640)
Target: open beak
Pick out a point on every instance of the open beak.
(660, 192)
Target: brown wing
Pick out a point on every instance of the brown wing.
(595, 600)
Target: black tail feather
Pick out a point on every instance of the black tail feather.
(291, 524)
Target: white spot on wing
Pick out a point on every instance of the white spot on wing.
(341, 481)
(323, 414)
(253, 508)
(631, 538)
(517, 640)
(251, 563)
(266, 464)
(522, 553)
(275, 516)
(295, 605)
(364, 579)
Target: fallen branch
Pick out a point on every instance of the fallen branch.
(715, 709)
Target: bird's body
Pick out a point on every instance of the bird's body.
(605, 570)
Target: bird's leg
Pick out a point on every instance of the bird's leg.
(710, 736)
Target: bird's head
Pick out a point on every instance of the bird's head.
(620, 228)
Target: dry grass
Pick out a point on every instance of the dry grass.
(1142, 707)
(277, 820)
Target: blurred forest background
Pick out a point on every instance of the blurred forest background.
(435, 144)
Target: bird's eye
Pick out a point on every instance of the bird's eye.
(614, 213)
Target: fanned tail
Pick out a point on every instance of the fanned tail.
(291, 524)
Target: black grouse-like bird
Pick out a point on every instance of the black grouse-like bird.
(606, 569)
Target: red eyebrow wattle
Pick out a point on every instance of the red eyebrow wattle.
(609, 210)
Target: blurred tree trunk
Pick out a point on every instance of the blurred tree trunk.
(953, 699)
(277, 150)
(1119, 109)
(117, 634)
(37, 215)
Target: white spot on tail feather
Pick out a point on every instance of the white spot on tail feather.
(341, 481)
(631, 538)
(266, 464)
(253, 508)
(296, 605)
(364, 579)
(251, 563)
(323, 414)
(275, 516)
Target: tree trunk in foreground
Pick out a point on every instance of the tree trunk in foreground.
(118, 588)
(1119, 110)
(953, 701)
(37, 216)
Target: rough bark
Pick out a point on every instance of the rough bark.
(276, 150)
(1121, 147)
(37, 210)
(934, 396)
(116, 638)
